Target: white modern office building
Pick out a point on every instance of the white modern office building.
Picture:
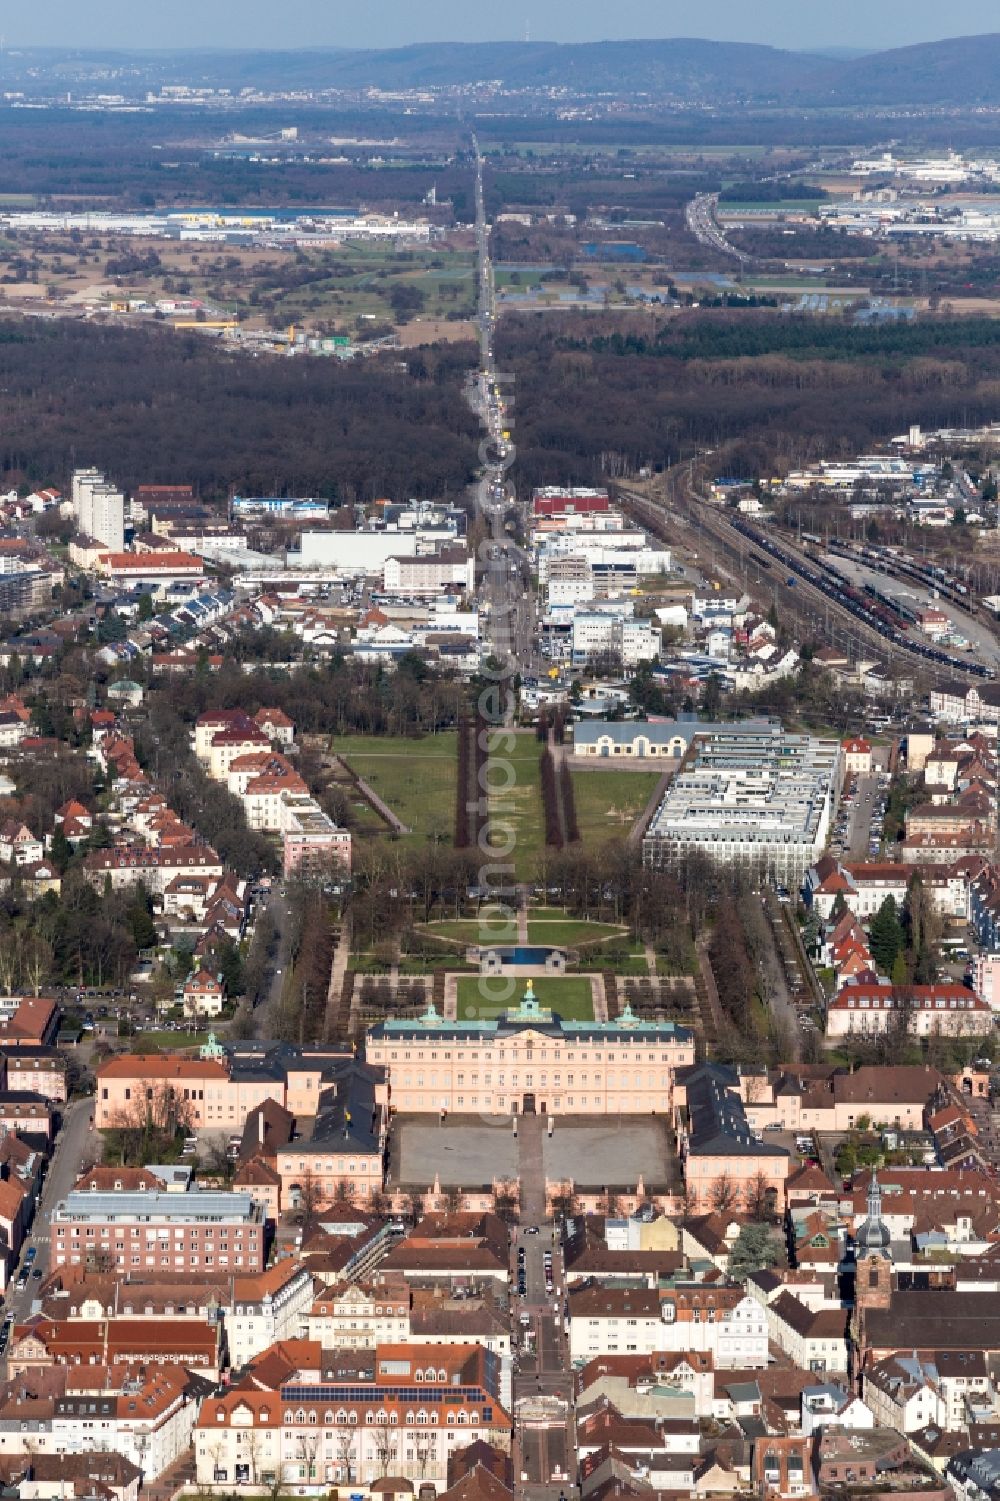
(752, 795)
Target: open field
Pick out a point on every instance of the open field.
(609, 802)
(348, 289)
(415, 777)
(569, 995)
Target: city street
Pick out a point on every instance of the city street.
(75, 1141)
(545, 1456)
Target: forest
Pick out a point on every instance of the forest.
(150, 405)
(596, 398)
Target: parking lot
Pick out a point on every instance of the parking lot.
(858, 827)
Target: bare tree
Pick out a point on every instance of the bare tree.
(310, 1196)
(10, 962)
(689, 1200)
(36, 958)
(723, 1194)
(306, 1450)
(565, 1203)
(345, 1453)
(759, 1197)
(385, 1449)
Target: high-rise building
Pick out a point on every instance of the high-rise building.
(99, 508)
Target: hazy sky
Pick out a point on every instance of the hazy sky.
(387, 23)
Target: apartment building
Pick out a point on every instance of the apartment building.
(99, 509)
(238, 750)
(913, 1389)
(194, 1231)
(865, 1009)
(400, 1410)
(720, 1320)
(814, 1339)
(360, 1315)
(312, 844)
(153, 868)
(530, 1058)
(864, 886)
(23, 588)
(756, 796)
(89, 1412)
(267, 1308)
(150, 1420)
(40, 1071)
(204, 994)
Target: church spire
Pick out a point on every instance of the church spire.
(873, 1237)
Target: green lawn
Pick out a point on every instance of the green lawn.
(568, 932)
(609, 802)
(569, 995)
(171, 1039)
(517, 811)
(468, 930)
(415, 777)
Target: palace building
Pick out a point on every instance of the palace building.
(530, 1059)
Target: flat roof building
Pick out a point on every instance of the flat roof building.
(752, 794)
(174, 1232)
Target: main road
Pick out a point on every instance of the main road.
(506, 587)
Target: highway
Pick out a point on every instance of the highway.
(701, 221)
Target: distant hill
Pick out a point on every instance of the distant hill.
(959, 71)
(687, 68)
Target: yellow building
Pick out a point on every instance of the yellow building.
(529, 1058)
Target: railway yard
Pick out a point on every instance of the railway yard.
(862, 599)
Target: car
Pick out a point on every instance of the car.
(37, 1272)
(531, 1230)
(772, 1126)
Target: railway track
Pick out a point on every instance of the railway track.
(799, 587)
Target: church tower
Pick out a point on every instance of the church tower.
(873, 1272)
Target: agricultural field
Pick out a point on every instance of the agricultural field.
(416, 778)
(569, 995)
